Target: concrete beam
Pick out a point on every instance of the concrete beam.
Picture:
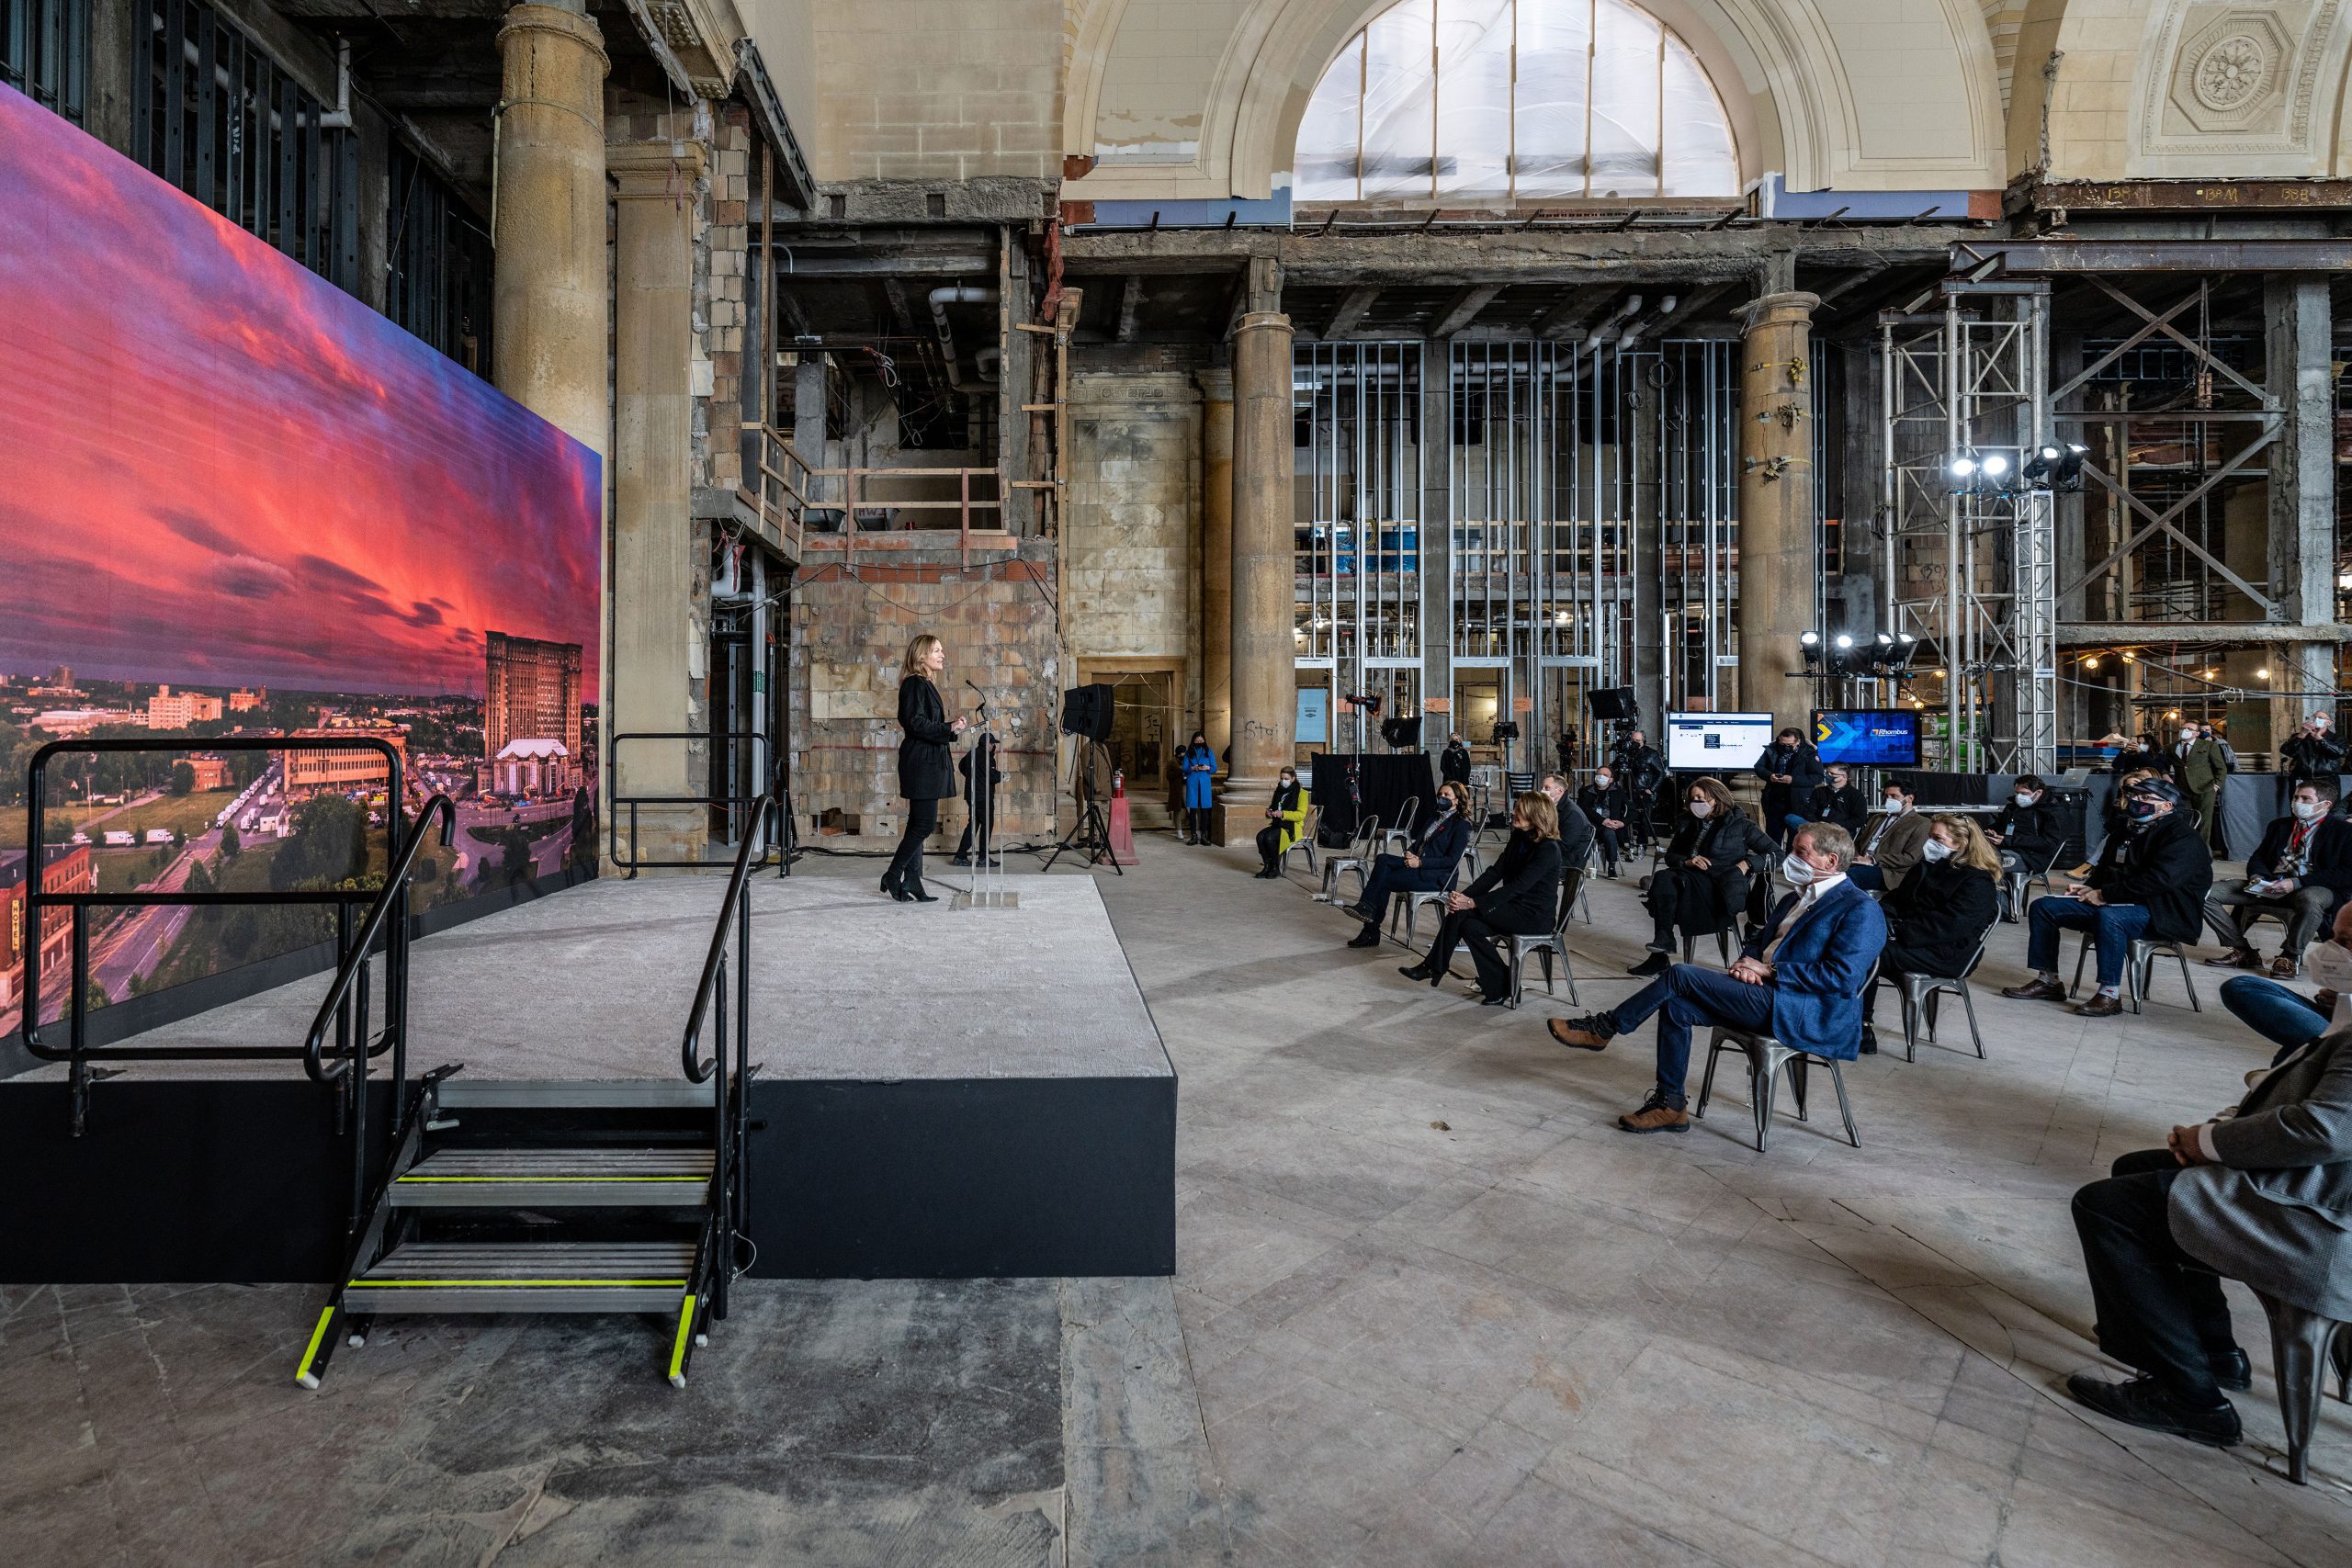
(1353, 309)
(2201, 634)
(1464, 309)
(1343, 257)
(2037, 258)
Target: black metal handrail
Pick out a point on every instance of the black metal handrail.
(730, 1093)
(633, 862)
(77, 1052)
(354, 969)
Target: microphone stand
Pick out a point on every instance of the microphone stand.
(986, 890)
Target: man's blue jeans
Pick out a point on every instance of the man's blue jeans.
(2271, 1010)
(1684, 997)
(2116, 926)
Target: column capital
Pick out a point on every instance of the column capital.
(651, 171)
(561, 20)
(1792, 305)
(1263, 321)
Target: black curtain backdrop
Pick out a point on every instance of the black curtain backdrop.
(1351, 785)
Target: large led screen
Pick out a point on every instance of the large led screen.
(236, 502)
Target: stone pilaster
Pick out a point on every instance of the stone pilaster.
(1777, 500)
(1264, 675)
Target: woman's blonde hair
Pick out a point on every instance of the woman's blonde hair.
(918, 655)
(1974, 852)
(1715, 789)
(1543, 817)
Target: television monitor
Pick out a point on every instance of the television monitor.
(1867, 737)
(1716, 743)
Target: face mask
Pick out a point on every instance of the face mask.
(2188, 736)
(1288, 780)
(1895, 803)
(1601, 781)
(1936, 848)
(1797, 870)
(2309, 810)
(2141, 812)
(2329, 966)
(2025, 797)
(1700, 807)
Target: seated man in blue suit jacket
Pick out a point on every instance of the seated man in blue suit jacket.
(1445, 837)
(1799, 980)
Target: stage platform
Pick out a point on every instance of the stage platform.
(941, 1093)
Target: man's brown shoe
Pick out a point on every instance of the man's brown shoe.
(2236, 958)
(2036, 991)
(1584, 1033)
(2101, 1005)
(2283, 967)
(1656, 1116)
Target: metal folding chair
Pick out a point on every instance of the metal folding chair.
(1920, 992)
(1358, 860)
(2139, 967)
(1306, 839)
(1766, 1058)
(1519, 949)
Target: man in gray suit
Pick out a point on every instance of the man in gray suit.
(2262, 1193)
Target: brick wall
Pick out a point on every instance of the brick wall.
(904, 96)
(850, 631)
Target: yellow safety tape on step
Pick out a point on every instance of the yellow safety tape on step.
(477, 1284)
(678, 1350)
(318, 1338)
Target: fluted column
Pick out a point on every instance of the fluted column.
(1217, 557)
(1778, 562)
(548, 284)
(1264, 678)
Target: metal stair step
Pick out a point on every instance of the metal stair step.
(558, 1276)
(541, 1178)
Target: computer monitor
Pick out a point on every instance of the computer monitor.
(1867, 737)
(1716, 742)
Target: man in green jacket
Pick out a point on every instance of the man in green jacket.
(2201, 770)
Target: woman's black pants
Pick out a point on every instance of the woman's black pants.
(1270, 847)
(906, 866)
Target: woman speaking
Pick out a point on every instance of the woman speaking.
(925, 776)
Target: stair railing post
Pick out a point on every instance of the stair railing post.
(724, 1242)
(739, 1200)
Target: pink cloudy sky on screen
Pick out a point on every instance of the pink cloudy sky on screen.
(218, 468)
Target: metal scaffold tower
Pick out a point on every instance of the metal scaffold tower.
(1972, 558)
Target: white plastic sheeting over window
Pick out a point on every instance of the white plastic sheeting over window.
(1514, 100)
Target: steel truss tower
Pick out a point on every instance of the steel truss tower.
(1972, 568)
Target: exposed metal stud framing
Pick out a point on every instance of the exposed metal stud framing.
(215, 116)
(1971, 574)
(45, 53)
(1572, 475)
(1358, 529)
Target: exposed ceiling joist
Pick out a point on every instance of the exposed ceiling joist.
(1567, 318)
(1353, 308)
(1464, 309)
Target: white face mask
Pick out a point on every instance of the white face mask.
(1601, 781)
(1797, 870)
(1936, 848)
(2188, 736)
(1895, 804)
(2329, 966)
(1701, 808)
(2309, 810)
(2025, 797)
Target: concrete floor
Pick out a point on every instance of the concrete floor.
(1430, 1308)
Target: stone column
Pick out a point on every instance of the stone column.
(1264, 674)
(1216, 556)
(1778, 562)
(2299, 330)
(657, 631)
(548, 284)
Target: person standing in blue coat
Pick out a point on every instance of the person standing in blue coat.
(1198, 764)
(1800, 980)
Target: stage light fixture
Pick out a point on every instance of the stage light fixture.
(1963, 467)
(1809, 644)
(1845, 643)
(1993, 466)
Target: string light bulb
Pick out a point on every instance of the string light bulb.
(2091, 662)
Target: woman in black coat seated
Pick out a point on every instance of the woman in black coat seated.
(925, 776)
(1424, 869)
(1941, 912)
(1704, 881)
(1519, 894)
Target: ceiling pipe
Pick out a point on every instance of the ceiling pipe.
(339, 117)
(956, 294)
(1635, 330)
(1608, 328)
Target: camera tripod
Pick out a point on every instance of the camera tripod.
(1091, 835)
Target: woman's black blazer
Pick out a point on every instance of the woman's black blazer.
(924, 771)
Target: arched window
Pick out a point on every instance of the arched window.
(1514, 100)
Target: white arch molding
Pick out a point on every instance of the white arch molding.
(1784, 69)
